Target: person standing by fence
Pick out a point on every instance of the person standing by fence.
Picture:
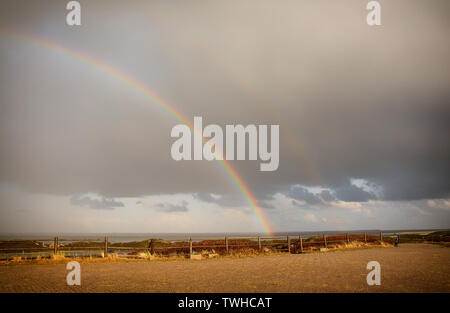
(397, 240)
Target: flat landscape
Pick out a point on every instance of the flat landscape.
(409, 268)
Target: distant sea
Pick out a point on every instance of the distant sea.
(128, 237)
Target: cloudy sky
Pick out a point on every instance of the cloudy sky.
(363, 111)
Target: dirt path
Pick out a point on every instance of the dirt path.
(410, 268)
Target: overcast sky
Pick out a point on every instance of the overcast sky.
(363, 111)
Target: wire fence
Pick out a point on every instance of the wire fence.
(101, 247)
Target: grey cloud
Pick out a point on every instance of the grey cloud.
(231, 200)
(299, 204)
(226, 200)
(265, 204)
(98, 204)
(351, 193)
(300, 193)
(169, 207)
(327, 196)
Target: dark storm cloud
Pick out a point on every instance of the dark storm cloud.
(327, 196)
(98, 204)
(344, 192)
(416, 185)
(352, 101)
(300, 193)
(352, 193)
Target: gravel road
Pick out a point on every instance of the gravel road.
(409, 268)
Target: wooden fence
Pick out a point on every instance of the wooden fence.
(289, 244)
(327, 241)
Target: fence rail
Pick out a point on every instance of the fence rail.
(289, 244)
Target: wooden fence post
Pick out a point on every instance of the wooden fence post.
(301, 243)
(259, 243)
(325, 240)
(381, 236)
(190, 245)
(226, 243)
(289, 244)
(365, 237)
(55, 245)
(348, 239)
(106, 247)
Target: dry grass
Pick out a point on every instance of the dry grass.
(353, 245)
(358, 245)
(249, 252)
(61, 259)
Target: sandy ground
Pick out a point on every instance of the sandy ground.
(409, 268)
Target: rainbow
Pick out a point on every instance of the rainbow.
(237, 180)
